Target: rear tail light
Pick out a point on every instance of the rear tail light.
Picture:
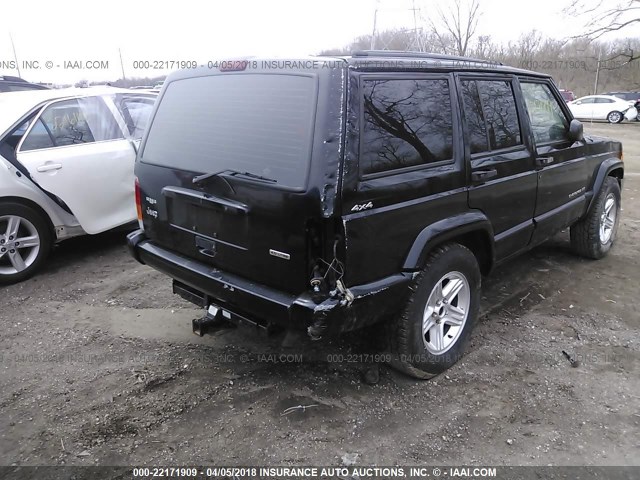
(138, 201)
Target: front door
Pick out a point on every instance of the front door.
(562, 170)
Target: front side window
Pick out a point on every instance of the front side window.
(407, 123)
(73, 122)
(604, 100)
(548, 121)
(491, 115)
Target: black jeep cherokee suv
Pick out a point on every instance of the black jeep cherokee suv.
(328, 194)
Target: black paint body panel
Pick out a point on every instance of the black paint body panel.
(230, 237)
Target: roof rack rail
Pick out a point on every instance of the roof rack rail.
(410, 54)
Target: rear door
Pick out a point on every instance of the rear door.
(76, 150)
(502, 171)
(403, 171)
(561, 166)
(603, 106)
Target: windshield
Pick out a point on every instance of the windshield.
(256, 123)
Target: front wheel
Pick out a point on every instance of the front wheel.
(25, 242)
(615, 117)
(432, 332)
(593, 236)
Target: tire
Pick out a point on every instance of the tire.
(34, 239)
(595, 234)
(615, 117)
(426, 355)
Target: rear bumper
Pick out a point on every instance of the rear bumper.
(266, 306)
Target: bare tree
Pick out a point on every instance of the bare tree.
(394, 39)
(457, 24)
(573, 63)
(603, 18)
(527, 46)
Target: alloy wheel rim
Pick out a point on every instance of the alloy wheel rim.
(19, 244)
(445, 313)
(615, 117)
(608, 219)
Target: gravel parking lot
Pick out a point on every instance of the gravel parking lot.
(99, 366)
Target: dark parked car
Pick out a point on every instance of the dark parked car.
(327, 194)
(17, 84)
(628, 96)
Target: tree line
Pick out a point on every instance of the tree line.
(586, 64)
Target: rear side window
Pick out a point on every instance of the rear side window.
(13, 87)
(407, 123)
(136, 112)
(73, 122)
(548, 122)
(257, 123)
(38, 138)
(476, 126)
(491, 115)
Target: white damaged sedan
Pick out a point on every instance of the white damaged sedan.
(602, 107)
(66, 168)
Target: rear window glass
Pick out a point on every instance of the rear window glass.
(256, 123)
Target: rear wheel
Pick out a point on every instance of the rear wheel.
(615, 117)
(432, 332)
(25, 242)
(593, 236)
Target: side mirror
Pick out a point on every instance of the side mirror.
(575, 131)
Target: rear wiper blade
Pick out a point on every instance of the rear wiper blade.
(231, 172)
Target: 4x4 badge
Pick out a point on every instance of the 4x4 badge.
(362, 206)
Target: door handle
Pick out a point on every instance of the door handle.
(543, 161)
(482, 175)
(49, 166)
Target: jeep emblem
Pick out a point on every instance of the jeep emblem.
(278, 254)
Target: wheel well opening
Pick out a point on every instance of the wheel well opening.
(618, 174)
(480, 245)
(36, 207)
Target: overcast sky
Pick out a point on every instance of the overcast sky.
(197, 30)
